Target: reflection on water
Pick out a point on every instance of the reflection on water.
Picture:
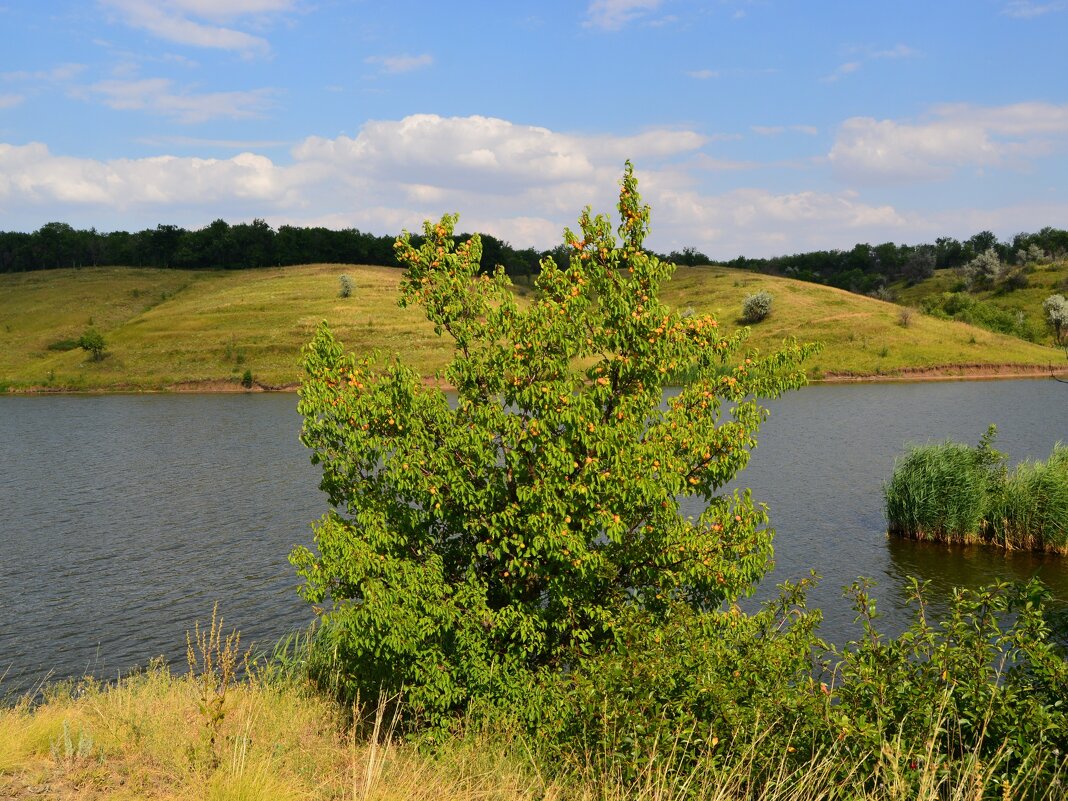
(123, 518)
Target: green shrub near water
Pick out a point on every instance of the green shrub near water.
(951, 492)
(516, 561)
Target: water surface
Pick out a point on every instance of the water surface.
(124, 518)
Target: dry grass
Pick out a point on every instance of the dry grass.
(169, 328)
(142, 738)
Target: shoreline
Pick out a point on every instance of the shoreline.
(953, 372)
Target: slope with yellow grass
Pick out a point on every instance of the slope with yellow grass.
(175, 329)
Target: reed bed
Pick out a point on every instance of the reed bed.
(953, 493)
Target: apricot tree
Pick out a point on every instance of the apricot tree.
(483, 537)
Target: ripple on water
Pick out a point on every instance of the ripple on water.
(124, 518)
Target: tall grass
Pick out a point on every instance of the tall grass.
(284, 742)
(1031, 508)
(938, 492)
(953, 493)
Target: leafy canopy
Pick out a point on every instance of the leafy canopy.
(482, 539)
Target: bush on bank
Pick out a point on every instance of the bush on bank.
(516, 559)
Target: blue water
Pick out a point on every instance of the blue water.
(124, 518)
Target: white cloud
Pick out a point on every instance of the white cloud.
(611, 15)
(956, 136)
(869, 53)
(10, 100)
(841, 70)
(182, 21)
(1028, 9)
(399, 64)
(703, 75)
(492, 154)
(156, 95)
(518, 182)
(31, 174)
(230, 9)
(897, 51)
(776, 130)
(57, 74)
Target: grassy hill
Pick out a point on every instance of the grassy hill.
(1042, 280)
(176, 329)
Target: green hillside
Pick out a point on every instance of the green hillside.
(1020, 293)
(168, 329)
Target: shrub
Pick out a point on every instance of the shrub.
(345, 289)
(882, 293)
(93, 342)
(969, 309)
(1032, 255)
(246, 379)
(479, 549)
(904, 317)
(756, 307)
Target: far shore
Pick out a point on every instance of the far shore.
(957, 372)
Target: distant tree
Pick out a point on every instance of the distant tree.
(55, 244)
(166, 240)
(1055, 308)
(982, 271)
(1032, 254)
(949, 253)
(689, 257)
(982, 242)
(93, 342)
(920, 264)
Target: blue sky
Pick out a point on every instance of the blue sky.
(756, 127)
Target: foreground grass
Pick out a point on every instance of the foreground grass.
(168, 329)
(148, 737)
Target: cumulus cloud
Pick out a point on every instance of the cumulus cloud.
(518, 182)
(156, 95)
(399, 64)
(32, 174)
(955, 136)
(611, 15)
(198, 23)
(486, 153)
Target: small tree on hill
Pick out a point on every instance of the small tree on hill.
(344, 286)
(984, 270)
(477, 543)
(1055, 308)
(93, 342)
